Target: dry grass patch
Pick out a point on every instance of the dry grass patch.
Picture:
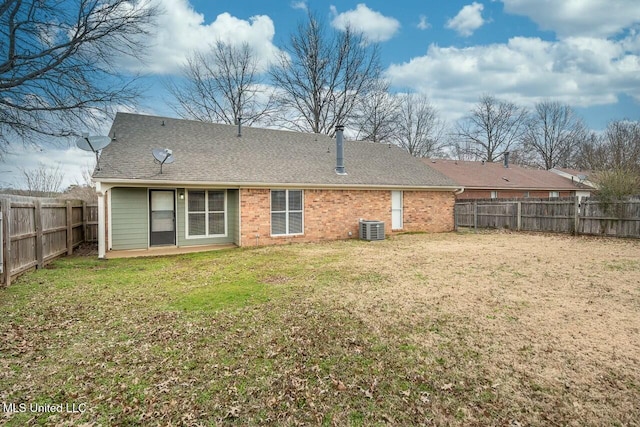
(450, 329)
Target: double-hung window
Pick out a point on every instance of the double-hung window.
(286, 212)
(206, 213)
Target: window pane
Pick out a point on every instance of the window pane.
(196, 224)
(216, 201)
(295, 200)
(216, 223)
(278, 201)
(196, 201)
(278, 223)
(295, 222)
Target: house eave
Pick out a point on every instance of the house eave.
(112, 182)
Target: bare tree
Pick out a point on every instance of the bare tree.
(553, 134)
(592, 154)
(492, 128)
(419, 128)
(321, 76)
(622, 141)
(83, 188)
(376, 114)
(43, 180)
(617, 148)
(222, 85)
(58, 63)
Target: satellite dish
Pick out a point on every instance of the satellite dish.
(163, 156)
(93, 144)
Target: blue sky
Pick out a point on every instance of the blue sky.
(585, 53)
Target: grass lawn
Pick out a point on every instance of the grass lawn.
(450, 329)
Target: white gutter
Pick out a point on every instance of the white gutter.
(216, 184)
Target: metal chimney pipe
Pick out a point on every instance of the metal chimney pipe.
(340, 150)
(506, 159)
(239, 127)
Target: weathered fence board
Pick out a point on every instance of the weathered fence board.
(36, 231)
(586, 216)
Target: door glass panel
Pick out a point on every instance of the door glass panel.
(162, 221)
(162, 201)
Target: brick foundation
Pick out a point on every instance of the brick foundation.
(333, 214)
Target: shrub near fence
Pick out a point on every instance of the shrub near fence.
(35, 231)
(586, 216)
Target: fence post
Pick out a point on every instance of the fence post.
(69, 228)
(519, 220)
(5, 205)
(84, 221)
(576, 216)
(39, 243)
(475, 215)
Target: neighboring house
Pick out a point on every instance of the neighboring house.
(250, 186)
(580, 177)
(485, 180)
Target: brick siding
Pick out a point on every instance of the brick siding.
(333, 214)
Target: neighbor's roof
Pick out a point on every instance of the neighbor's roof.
(213, 153)
(479, 175)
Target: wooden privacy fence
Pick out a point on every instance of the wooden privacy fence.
(36, 231)
(586, 216)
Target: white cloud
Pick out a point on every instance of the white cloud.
(595, 18)
(580, 71)
(180, 30)
(423, 24)
(374, 25)
(73, 162)
(299, 5)
(467, 20)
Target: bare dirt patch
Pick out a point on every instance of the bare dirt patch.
(550, 322)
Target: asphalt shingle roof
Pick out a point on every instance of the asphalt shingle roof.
(495, 176)
(213, 153)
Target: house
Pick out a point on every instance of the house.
(249, 186)
(486, 180)
(581, 177)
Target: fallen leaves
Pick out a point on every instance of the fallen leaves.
(380, 348)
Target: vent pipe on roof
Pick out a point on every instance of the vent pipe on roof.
(340, 150)
(239, 127)
(506, 159)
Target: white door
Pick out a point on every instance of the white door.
(396, 210)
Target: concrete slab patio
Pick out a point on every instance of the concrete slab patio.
(165, 250)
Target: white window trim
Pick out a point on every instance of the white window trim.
(494, 194)
(206, 214)
(554, 194)
(286, 212)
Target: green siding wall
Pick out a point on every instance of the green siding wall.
(129, 218)
(232, 223)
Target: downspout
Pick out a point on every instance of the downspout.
(459, 191)
(102, 237)
(101, 224)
